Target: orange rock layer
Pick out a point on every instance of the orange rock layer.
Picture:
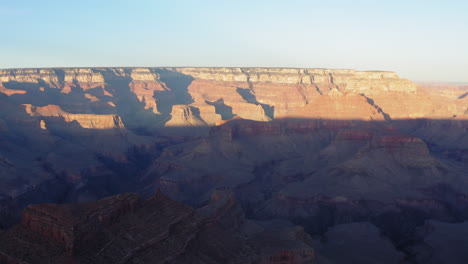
(206, 96)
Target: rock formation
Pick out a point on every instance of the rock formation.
(127, 229)
(74, 226)
(313, 147)
(90, 121)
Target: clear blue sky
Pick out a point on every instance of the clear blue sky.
(419, 39)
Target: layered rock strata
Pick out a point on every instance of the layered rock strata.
(316, 147)
(260, 94)
(53, 113)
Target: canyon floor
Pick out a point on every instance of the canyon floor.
(231, 165)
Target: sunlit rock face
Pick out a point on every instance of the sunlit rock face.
(216, 94)
(47, 76)
(145, 83)
(280, 91)
(85, 78)
(89, 121)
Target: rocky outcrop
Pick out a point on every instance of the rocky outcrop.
(84, 78)
(125, 229)
(53, 113)
(184, 116)
(226, 99)
(408, 151)
(145, 84)
(10, 91)
(74, 225)
(225, 209)
(238, 127)
(38, 76)
(348, 79)
(280, 91)
(339, 106)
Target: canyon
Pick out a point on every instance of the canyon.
(290, 165)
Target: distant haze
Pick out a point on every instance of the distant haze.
(423, 40)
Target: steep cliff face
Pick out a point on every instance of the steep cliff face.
(84, 78)
(219, 94)
(46, 76)
(348, 79)
(184, 116)
(145, 84)
(280, 91)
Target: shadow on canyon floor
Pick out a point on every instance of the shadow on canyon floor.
(446, 139)
(178, 83)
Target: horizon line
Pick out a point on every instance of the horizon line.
(232, 67)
